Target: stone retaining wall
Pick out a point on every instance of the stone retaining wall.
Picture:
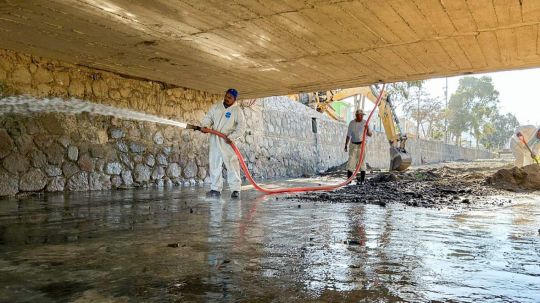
(422, 152)
(62, 152)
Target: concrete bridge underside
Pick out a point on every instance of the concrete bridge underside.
(277, 47)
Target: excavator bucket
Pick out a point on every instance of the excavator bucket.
(399, 159)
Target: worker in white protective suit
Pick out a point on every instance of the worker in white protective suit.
(529, 134)
(225, 117)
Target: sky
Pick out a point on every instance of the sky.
(518, 92)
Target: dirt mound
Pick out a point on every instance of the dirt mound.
(517, 179)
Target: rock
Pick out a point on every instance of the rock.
(116, 181)
(8, 184)
(150, 160)
(78, 182)
(56, 184)
(142, 173)
(202, 173)
(69, 169)
(6, 144)
(62, 78)
(115, 95)
(126, 161)
(55, 153)
(86, 163)
(167, 150)
(99, 181)
(190, 171)
(33, 180)
(24, 143)
(16, 163)
(64, 141)
(100, 163)
(113, 168)
(137, 147)
(162, 159)
(102, 137)
(98, 151)
(99, 88)
(173, 170)
(158, 173)
(158, 138)
(73, 153)
(138, 159)
(42, 75)
(21, 75)
(38, 158)
(159, 183)
(76, 89)
(174, 157)
(52, 124)
(53, 171)
(121, 146)
(116, 133)
(127, 177)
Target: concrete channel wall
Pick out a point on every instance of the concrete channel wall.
(64, 152)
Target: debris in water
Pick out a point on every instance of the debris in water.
(173, 245)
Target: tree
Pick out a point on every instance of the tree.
(400, 91)
(426, 110)
(498, 131)
(470, 107)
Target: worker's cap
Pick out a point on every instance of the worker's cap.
(233, 92)
(359, 112)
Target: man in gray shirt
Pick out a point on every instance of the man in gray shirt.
(354, 135)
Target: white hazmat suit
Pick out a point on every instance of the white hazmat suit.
(519, 150)
(231, 122)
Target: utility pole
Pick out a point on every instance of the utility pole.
(418, 118)
(446, 112)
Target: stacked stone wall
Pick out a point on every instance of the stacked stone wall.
(63, 152)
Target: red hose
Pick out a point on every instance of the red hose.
(302, 189)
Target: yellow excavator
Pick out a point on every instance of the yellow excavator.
(400, 159)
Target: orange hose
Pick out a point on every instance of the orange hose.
(302, 189)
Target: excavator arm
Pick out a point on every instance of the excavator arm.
(399, 158)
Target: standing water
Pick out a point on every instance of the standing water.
(176, 246)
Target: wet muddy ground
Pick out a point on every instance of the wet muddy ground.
(157, 245)
(450, 185)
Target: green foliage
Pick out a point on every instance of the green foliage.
(400, 91)
(498, 130)
(427, 111)
(471, 106)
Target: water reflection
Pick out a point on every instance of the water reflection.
(115, 245)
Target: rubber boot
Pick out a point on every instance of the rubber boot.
(349, 174)
(362, 177)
